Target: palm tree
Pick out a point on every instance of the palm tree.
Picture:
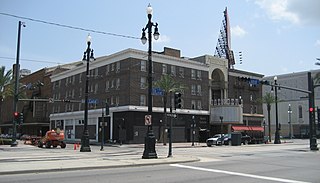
(167, 84)
(5, 79)
(268, 99)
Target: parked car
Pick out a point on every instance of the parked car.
(245, 139)
(224, 140)
(213, 140)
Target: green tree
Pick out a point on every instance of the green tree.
(268, 99)
(167, 84)
(5, 78)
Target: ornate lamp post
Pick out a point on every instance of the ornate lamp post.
(150, 141)
(88, 55)
(277, 135)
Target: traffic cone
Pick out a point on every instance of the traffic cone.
(74, 146)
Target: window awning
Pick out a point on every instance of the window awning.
(247, 128)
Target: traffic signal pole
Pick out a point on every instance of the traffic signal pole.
(16, 88)
(313, 138)
(310, 92)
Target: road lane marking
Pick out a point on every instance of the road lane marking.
(238, 174)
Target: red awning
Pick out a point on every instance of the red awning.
(256, 128)
(247, 128)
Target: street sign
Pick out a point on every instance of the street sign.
(157, 91)
(90, 101)
(147, 120)
(254, 81)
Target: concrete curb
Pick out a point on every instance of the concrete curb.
(132, 164)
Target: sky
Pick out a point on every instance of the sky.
(275, 36)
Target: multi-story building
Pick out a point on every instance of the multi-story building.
(120, 80)
(298, 102)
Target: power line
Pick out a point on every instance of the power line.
(31, 60)
(69, 26)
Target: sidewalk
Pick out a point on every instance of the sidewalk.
(31, 159)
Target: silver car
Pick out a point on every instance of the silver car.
(213, 140)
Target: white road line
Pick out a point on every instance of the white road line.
(238, 174)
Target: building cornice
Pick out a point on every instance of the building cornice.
(131, 53)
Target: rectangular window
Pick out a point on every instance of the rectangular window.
(118, 67)
(111, 100)
(72, 93)
(142, 100)
(193, 74)
(118, 83)
(117, 100)
(164, 69)
(143, 82)
(80, 92)
(199, 90)
(199, 75)
(173, 70)
(80, 78)
(112, 67)
(112, 83)
(143, 65)
(193, 89)
(300, 112)
(193, 104)
(96, 72)
(107, 86)
(107, 69)
(181, 72)
(96, 88)
(199, 106)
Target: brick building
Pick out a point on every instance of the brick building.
(120, 80)
(36, 114)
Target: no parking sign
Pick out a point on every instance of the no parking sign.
(147, 120)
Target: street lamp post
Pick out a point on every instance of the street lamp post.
(150, 141)
(88, 55)
(221, 127)
(193, 132)
(264, 127)
(289, 121)
(277, 135)
(16, 88)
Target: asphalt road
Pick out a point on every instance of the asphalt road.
(218, 164)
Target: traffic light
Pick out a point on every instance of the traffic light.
(16, 116)
(177, 100)
(21, 118)
(311, 113)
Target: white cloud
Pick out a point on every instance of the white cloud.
(237, 31)
(163, 39)
(317, 43)
(293, 11)
(277, 10)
